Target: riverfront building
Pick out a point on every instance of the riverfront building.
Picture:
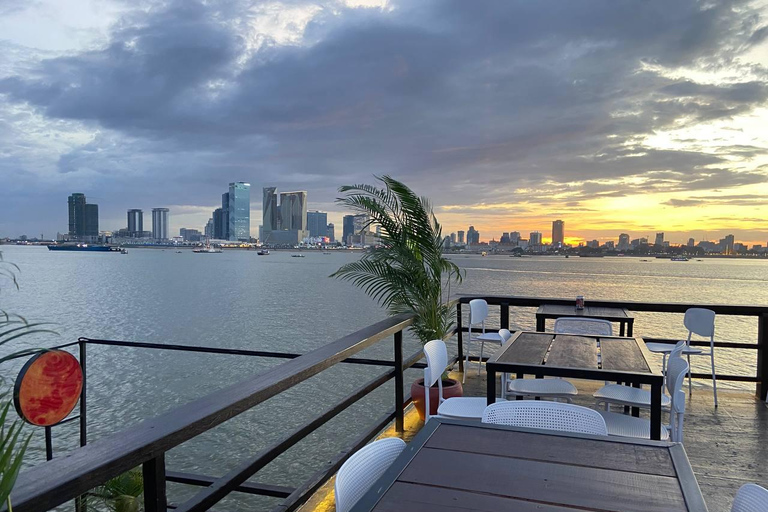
(135, 223)
(160, 229)
(239, 212)
(83, 218)
(558, 233)
(285, 223)
(317, 223)
(473, 236)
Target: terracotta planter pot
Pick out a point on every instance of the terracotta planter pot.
(451, 388)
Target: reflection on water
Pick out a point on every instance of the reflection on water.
(240, 300)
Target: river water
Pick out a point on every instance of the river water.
(240, 300)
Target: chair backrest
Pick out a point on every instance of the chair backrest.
(700, 321)
(678, 350)
(578, 325)
(437, 359)
(505, 335)
(677, 369)
(546, 415)
(362, 469)
(478, 311)
(750, 498)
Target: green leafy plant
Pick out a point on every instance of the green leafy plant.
(12, 451)
(124, 493)
(407, 273)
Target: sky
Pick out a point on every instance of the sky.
(614, 116)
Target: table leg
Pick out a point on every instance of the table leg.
(540, 323)
(656, 411)
(491, 373)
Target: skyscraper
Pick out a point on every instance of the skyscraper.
(225, 216)
(239, 211)
(623, 242)
(691, 242)
(460, 234)
(331, 232)
(473, 237)
(534, 238)
(293, 211)
(76, 203)
(348, 228)
(160, 223)
(209, 228)
(659, 239)
(269, 211)
(83, 218)
(317, 223)
(219, 224)
(558, 232)
(135, 222)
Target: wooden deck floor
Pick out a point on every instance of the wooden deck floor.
(727, 446)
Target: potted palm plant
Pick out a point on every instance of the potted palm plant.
(406, 272)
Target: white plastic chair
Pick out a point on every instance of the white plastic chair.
(458, 407)
(750, 498)
(581, 325)
(628, 426)
(634, 397)
(546, 415)
(478, 312)
(698, 321)
(362, 469)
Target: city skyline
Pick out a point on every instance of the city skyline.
(612, 117)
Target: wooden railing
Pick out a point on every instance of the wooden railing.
(66, 478)
(760, 313)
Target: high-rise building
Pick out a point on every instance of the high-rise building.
(317, 223)
(293, 211)
(504, 238)
(460, 235)
(659, 239)
(514, 237)
(239, 211)
(135, 222)
(270, 215)
(726, 244)
(331, 232)
(691, 242)
(347, 228)
(160, 223)
(623, 242)
(453, 238)
(558, 232)
(91, 221)
(76, 203)
(190, 235)
(534, 238)
(225, 216)
(473, 237)
(219, 224)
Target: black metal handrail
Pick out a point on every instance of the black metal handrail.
(62, 479)
(759, 312)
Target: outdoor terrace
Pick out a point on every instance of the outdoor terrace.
(726, 446)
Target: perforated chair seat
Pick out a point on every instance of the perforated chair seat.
(362, 469)
(546, 388)
(666, 348)
(546, 415)
(750, 498)
(463, 408)
(627, 395)
(628, 426)
(490, 336)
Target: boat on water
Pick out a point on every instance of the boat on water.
(679, 258)
(263, 252)
(123, 251)
(297, 255)
(81, 247)
(209, 249)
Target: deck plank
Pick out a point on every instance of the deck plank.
(529, 348)
(622, 355)
(573, 352)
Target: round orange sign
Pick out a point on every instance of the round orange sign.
(48, 387)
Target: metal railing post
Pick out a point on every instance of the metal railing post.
(762, 356)
(399, 391)
(504, 315)
(83, 406)
(459, 337)
(153, 472)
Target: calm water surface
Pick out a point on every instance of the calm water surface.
(240, 300)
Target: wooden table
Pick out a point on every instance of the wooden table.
(620, 315)
(614, 359)
(454, 465)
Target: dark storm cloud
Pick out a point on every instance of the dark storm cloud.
(469, 100)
